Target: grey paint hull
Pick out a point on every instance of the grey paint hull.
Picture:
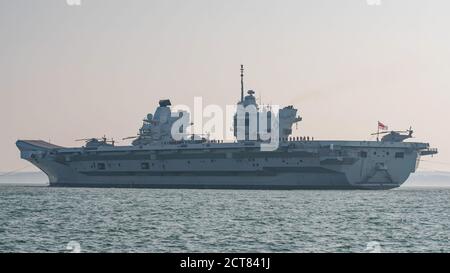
(296, 165)
(196, 183)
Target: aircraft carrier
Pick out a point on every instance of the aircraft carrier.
(157, 160)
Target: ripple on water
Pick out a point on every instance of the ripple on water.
(42, 219)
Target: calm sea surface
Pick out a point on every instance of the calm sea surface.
(43, 219)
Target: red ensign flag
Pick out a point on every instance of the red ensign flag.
(382, 126)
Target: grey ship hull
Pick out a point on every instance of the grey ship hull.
(280, 182)
(295, 165)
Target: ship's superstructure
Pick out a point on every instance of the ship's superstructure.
(157, 160)
(247, 106)
(157, 128)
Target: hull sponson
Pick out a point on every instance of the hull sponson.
(295, 165)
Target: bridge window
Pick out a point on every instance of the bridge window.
(101, 166)
(399, 155)
(145, 166)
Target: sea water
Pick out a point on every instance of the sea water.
(45, 219)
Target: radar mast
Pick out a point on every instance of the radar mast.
(242, 82)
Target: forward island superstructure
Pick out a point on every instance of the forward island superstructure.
(157, 160)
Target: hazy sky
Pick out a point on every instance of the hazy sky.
(68, 72)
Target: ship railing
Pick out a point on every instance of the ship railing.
(429, 151)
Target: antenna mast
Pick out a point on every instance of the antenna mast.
(242, 82)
